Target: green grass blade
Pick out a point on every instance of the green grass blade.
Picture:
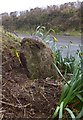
(61, 110)
(60, 73)
(81, 91)
(80, 97)
(56, 112)
(71, 113)
(64, 93)
(69, 95)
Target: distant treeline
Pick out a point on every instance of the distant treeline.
(60, 18)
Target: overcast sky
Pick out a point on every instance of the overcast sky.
(20, 5)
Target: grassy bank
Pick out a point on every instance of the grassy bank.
(67, 33)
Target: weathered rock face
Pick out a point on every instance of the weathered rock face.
(37, 58)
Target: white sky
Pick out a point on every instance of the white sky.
(20, 5)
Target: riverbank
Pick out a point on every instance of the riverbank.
(66, 33)
(71, 33)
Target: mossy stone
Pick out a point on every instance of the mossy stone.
(37, 58)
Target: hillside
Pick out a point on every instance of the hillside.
(65, 17)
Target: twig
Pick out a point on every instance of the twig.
(1, 117)
(1, 111)
(17, 106)
(52, 84)
(5, 98)
(44, 97)
(25, 112)
(9, 60)
(61, 74)
(16, 98)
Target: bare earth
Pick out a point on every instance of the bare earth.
(25, 98)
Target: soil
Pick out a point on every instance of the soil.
(23, 98)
